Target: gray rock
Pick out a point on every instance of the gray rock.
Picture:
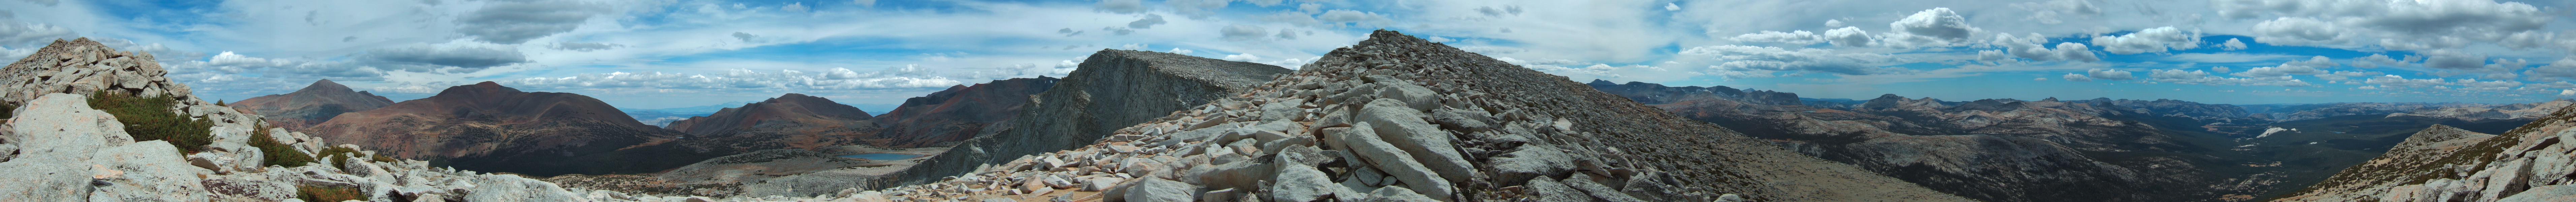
(1239, 174)
(1414, 96)
(1404, 128)
(2544, 193)
(1598, 191)
(1220, 195)
(1529, 162)
(1549, 190)
(1159, 190)
(146, 171)
(1462, 120)
(1302, 183)
(1387, 157)
(514, 188)
(1397, 194)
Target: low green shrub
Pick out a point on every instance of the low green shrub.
(338, 156)
(329, 193)
(276, 153)
(150, 118)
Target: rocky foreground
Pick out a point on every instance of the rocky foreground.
(1395, 118)
(2447, 164)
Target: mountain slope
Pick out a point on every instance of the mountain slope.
(959, 112)
(1398, 118)
(1112, 89)
(312, 105)
(492, 128)
(2445, 164)
(798, 108)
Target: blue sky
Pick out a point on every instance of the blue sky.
(678, 53)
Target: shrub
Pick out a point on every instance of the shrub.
(276, 153)
(329, 193)
(338, 156)
(7, 110)
(150, 118)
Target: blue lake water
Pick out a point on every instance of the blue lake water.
(881, 156)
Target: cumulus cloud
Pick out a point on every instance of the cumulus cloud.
(746, 37)
(909, 76)
(2110, 74)
(425, 57)
(798, 7)
(1930, 28)
(1849, 37)
(23, 35)
(2429, 24)
(2028, 47)
(2454, 59)
(2076, 77)
(2343, 75)
(2376, 60)
(1348, 16)
(2051, 12)
(2313, 65)
(518, 22)
(584, 47)
(2563, 68)
(2149, 40)
(1747, 58)
(1489, 11)
(2233, 44)
(2198, 77)
(1800, 37)
(2402, 81)
(1122, 6)
(1241, 32)
(1146, 23)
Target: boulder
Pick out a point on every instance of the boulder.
(1404, 128)
(1528, 162)
(514, 188)
(1413, 96)
(1159, 190)
(146, 171)
(1302, 183)
(1397, 194)
(1364, 141)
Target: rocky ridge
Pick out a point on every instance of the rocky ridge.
(1397, 118)
(798, 109)
(311, 105)
(958, 113)
(2445, 164)
(1112, 89)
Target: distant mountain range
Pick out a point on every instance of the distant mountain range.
(2077, 150)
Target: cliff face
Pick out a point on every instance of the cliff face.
(1112, 89)
(797, 108)
(311, 105)
(488, 127)
(959, 112)
(2446, 164)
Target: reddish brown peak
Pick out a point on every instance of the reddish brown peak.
(324, 85)
(818, 105)
(486, 87)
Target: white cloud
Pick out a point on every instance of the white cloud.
(1936, 27)
(1147, 22)
(2401, 81)
(1241, 32)
(2343, 75)
(1338, 16)
(28, 34)
(2051, 12)
(2314, 65)
(1672, 7)
(1745, 58)
(2028, 47)
(1246, 57)
(1849, 37)
(453, 58)
(518, 22)
(2197, 77)
(1800, 37)
(1122, 6)
(2233, 44)
(1196, 9)
(2376, 60)
(909, 76)
(2453, 59)
(795, 7)
(2110, 74)
(2563, 68)
(2424, 24)
(2149, 40)
(2077, 77)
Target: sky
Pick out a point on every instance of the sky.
(677, 53)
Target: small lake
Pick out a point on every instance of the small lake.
(881, 156)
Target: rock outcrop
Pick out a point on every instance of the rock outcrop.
(1112, 89)
(2445, 164)
(959, 112)
(790, 109)
(311, 105)
(492, 128)
(1398, 118)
